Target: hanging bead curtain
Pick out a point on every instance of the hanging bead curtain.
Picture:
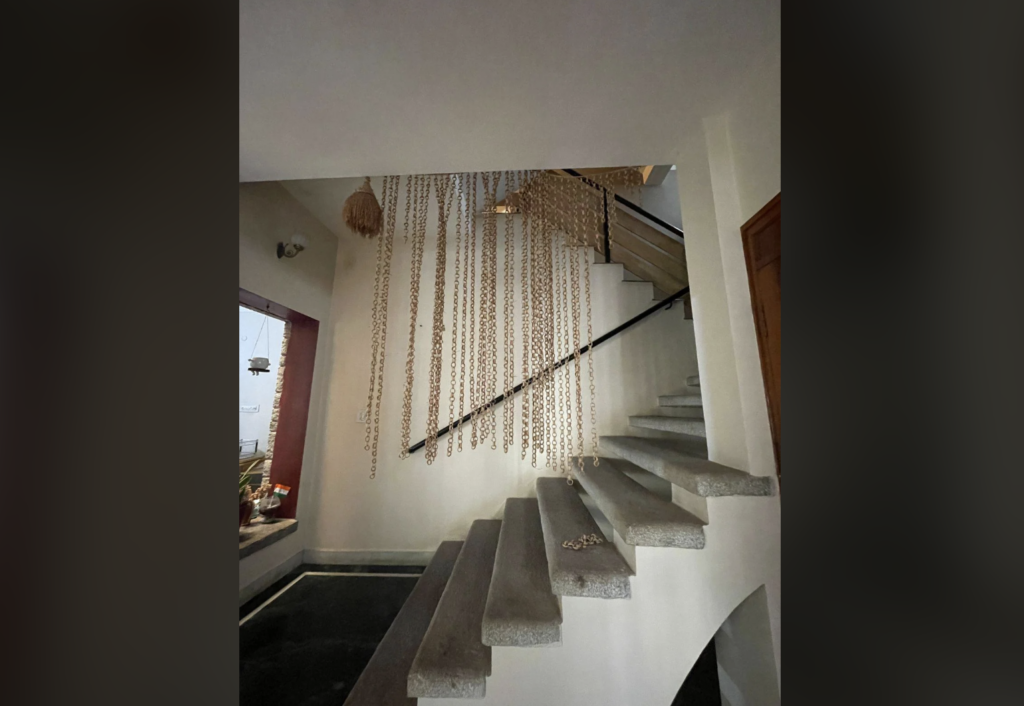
(558, 218)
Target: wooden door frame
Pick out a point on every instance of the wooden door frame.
(770, 211)
(296, 390)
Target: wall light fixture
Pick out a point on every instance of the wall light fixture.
(296, 244)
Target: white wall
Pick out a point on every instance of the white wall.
(411, 507)
(729, 167)
(268, 214)
(663, 200)
(257, 390)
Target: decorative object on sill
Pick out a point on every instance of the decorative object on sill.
(559, 219)
(585, 540)
(296, 244)
(268, 507)
(361, 211)
(260, 495)
(260, 365)
(269, 502)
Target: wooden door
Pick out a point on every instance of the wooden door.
(762, 247)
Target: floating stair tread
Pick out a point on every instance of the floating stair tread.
(451, 661)
(677, 425)
(639, 516)
(670, 459)
(681, 401)
(521, 610)
(383, 681)
(652, 483)
(693, 381)
(598, 571)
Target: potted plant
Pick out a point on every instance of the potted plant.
(245, 503)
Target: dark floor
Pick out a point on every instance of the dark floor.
(310, 644)
(700, 688)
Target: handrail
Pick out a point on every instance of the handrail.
(630, 205)
(663, 304)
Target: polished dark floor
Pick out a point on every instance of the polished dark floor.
(309, 646)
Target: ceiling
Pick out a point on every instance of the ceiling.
(324, 199)
(341, 88)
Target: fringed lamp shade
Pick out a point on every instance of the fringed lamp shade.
(361, 212)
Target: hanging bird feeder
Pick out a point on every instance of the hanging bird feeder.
(260, 365)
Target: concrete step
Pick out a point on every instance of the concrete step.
(655, 484)
(669, 459)
(639, 516)
(597, 571)
(452, 662)
(383, 681)
(681, 401)
(693, 381)
(677, 425)
(521, 610)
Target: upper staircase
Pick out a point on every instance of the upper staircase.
(648, 248)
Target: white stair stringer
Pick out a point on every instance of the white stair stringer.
(637, 652)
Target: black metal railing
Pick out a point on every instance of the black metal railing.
(607, 233)
(626, 203)
(663, 304)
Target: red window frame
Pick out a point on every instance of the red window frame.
(296, 390)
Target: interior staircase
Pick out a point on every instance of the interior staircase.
(504, 585)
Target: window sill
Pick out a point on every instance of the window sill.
(259, 535)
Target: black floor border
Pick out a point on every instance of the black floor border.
(253, 603)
